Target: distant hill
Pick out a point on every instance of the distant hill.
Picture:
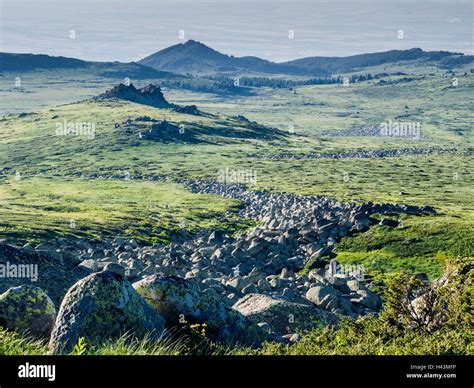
(197, 58)
(24, 62)
(27, 62)
(193, 57)
(354, 62)
(11, 62)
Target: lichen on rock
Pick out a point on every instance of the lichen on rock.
(100, 307)
(28, 310)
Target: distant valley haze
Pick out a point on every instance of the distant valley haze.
(119, 30)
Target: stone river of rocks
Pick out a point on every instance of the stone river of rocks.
(370, 154)
(246, 288)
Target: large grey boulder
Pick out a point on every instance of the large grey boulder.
(103, 306)
(318, 294)
(179, 301)
(281, 316)
(27, 310)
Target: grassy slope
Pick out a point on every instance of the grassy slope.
(148, 211)
(442, 109)
(151, 211)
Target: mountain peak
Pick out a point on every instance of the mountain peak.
(198, 58)
(197, 48)
(192, 42)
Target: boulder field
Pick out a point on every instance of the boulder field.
(246, 288)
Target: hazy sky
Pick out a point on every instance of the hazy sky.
(126, 30)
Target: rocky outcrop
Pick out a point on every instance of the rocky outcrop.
(27, 310)
(103, 306)
(188, 110)
(149, 95)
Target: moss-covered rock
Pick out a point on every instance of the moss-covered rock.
(103, 306)
(27, 309)
(182, 303)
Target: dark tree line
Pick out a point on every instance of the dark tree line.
(278, 83)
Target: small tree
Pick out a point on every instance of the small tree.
(412, 303)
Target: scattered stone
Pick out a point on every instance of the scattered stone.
(90, 265)
(354, 285)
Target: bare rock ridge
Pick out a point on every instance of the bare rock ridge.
(149, 95)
